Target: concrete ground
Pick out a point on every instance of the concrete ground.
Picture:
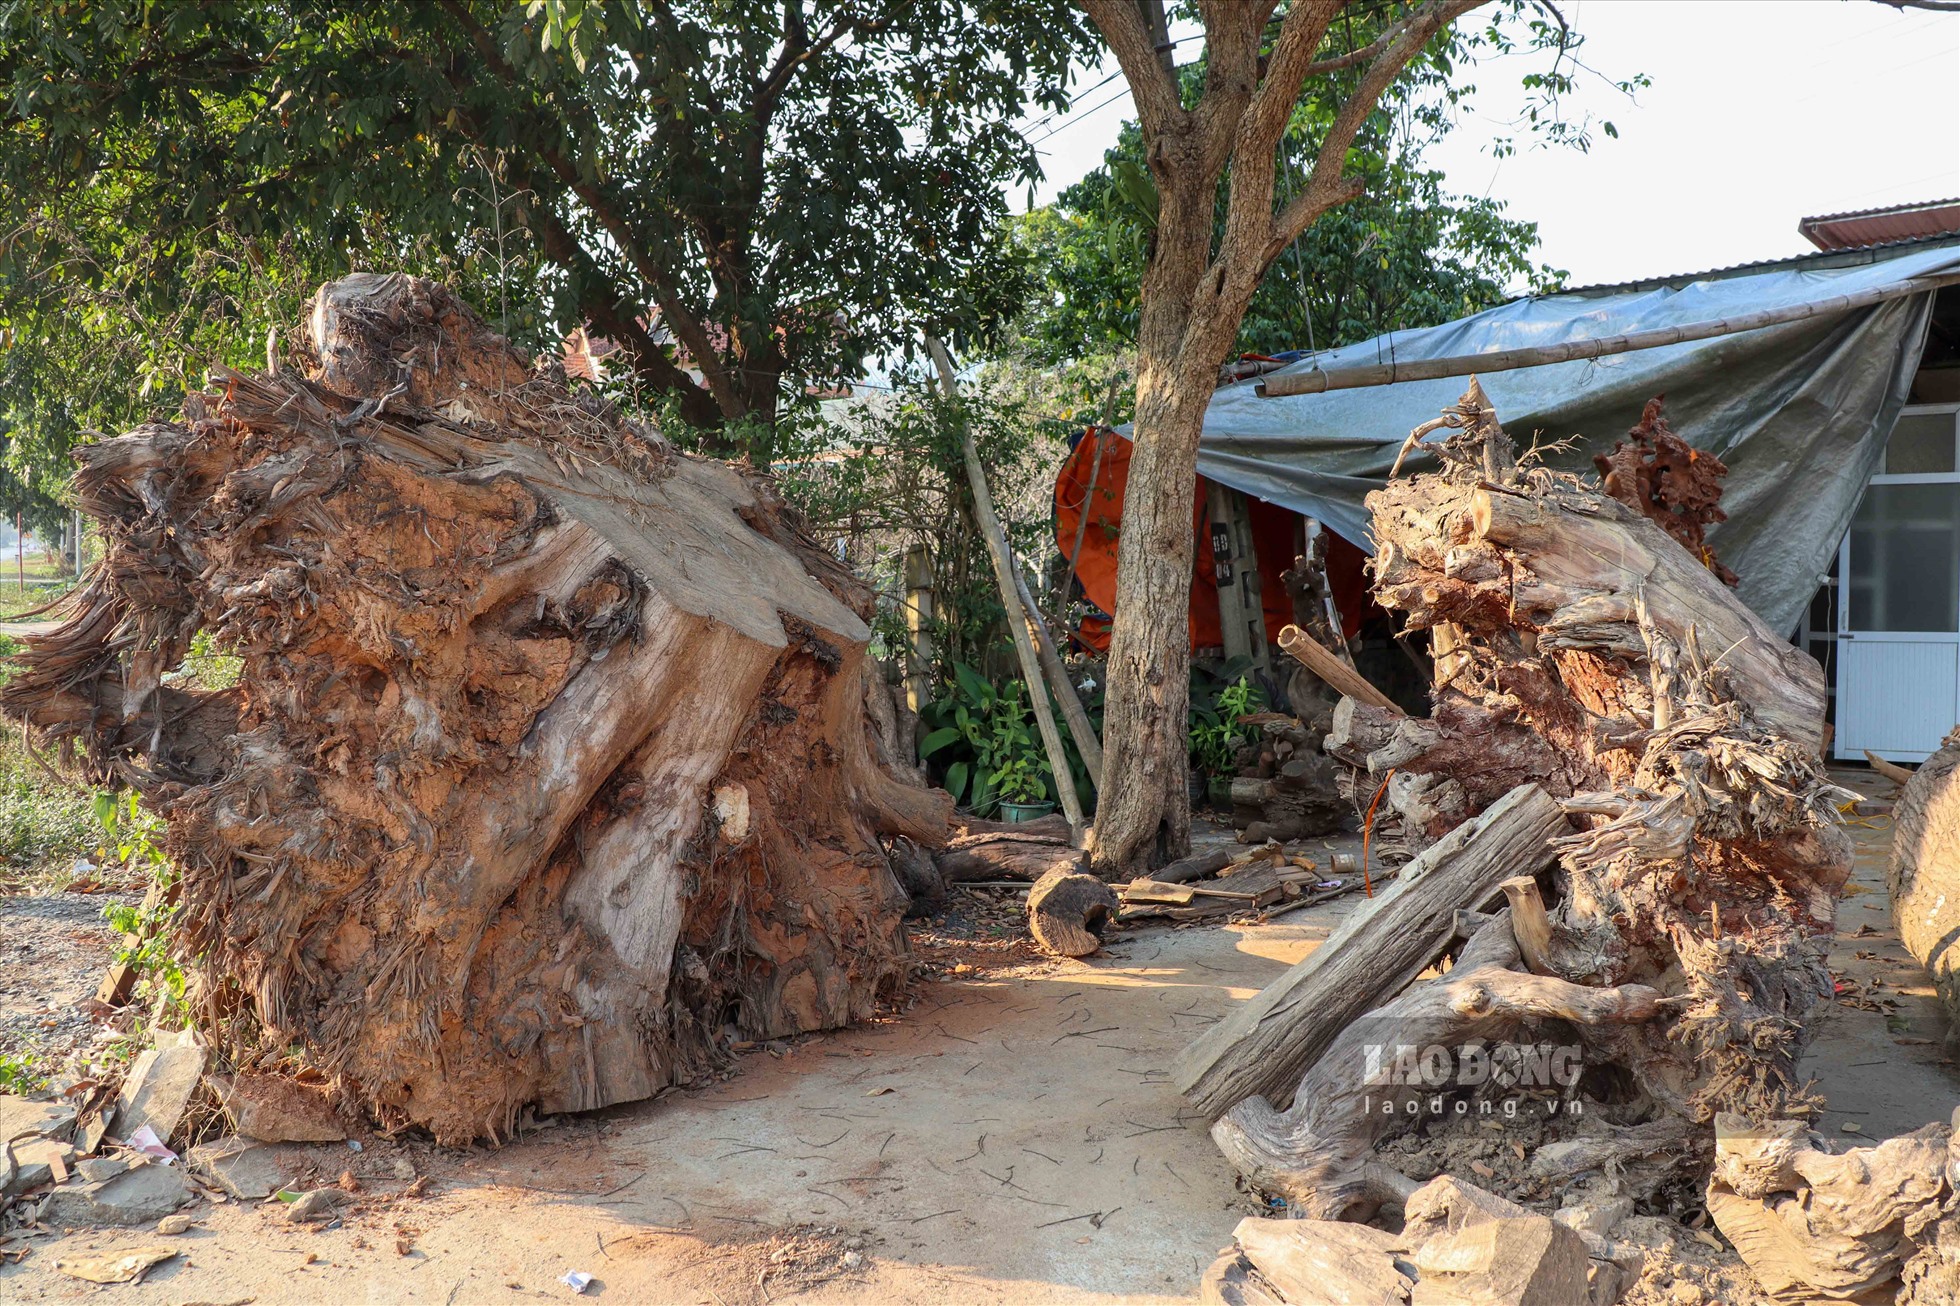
(1008, 1139)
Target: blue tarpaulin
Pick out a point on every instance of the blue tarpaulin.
(1799, 412)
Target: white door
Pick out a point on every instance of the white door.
(1899, 596)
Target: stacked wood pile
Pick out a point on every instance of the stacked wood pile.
(551, 755)
(1924, 872)
(1630, 854)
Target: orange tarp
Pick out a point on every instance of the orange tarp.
(1275, 537)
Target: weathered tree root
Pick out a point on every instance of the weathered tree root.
(1812, 1224)
(550, 754)
(1374, 1078)
(1581, 647)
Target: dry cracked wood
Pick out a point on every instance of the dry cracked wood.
(1590, 652)
(1318, 1153)
(550, 754)
(1924, 871)
(1264, 1045)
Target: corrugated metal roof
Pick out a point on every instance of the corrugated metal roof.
(1835, 258)
(1897, 222)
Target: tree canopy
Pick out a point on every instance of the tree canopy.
(1405, 252)
(749, 198)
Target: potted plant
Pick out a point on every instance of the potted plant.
(984, 739)
(1217, 736)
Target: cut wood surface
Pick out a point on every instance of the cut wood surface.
(1005, 859)
(550, 748)
(1068, 912)
(1265, 1045)
(1923, 873)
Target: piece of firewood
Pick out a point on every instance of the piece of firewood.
(1005, 859)
(1303, 647)
(1068, 912)
(1265, 1044)
(1890, 770)
(1194, 867)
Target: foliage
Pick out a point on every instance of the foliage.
(1216, 705)
(42, 822)
(147, 930)
(766, 193)
(879, 475)
(984, 745)
(210, 667)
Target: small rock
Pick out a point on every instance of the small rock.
(1599, 1218)
(159, 1086)
(36, 1159)
(851, 1260)
(1530, 1261)
(320, 1204)
(1685, 1293)
(142, 1194)
(95, 1169)
(21, 1115)
(402, 1167)
(245, 1169)
(174, 1224)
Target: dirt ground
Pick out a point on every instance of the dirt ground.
(1010, 1138)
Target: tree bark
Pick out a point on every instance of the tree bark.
(550, 755)
(1192, 301)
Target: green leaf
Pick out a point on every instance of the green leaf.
(937, 740)
(956, 780)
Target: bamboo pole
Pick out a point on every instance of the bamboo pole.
(1073, 712)
(1344, 678)
(1279, 385)
(1010, 599)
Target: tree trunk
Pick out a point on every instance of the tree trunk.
(550, 756)
(1143, 811)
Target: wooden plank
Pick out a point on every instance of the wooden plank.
(1298, 644)
(1266, 1045)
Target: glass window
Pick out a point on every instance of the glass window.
(1905, 558)
(1921, 442)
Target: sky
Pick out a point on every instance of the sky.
(1759, 114)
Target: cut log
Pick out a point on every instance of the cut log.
(1068, 912)
(1194, 867)
(550, 749)
(1590, 651)
(1005, 858)
(1924, 871)
(1302, 646)
(1265, 1045)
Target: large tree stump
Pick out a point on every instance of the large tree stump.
(1580, 648)
(1588, 650)
(1924, 873)
(550, 755)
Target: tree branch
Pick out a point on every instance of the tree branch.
(1326, 187)
(686, 327)
(1159, 106)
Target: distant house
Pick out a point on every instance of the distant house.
(1839, 421)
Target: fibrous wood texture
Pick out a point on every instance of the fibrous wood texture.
(1590, 652)
(550, 754)
(1814, 1225)
(1262, 1048)
(1924, 871)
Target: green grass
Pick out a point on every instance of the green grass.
(44, 825)
(15, 599)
